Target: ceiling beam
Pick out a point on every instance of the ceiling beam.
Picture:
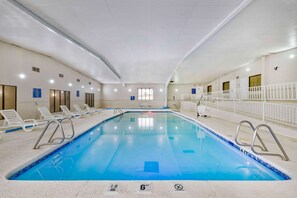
(215, 30)
(68, 37)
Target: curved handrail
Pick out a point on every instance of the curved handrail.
(51, 139)
(263, 147)
(72, 127)
(284, 156)
(115, 110)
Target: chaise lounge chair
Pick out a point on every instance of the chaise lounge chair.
(91, 109)
(80, 111)
(46, 115)
(68, 113)
(14, 120)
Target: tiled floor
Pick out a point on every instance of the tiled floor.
(16, 150)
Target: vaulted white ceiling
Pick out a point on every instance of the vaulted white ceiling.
(145, 40)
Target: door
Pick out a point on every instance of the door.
(244, 88)
(232, 89)
(9, 97)
(52, 101)
(57, 100)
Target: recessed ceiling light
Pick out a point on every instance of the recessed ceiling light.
(22, 76)
(292, 56)
(92, 88)
(129, 90)
(98, 89)
(51, 81)
(161, 90)
(248, 69)
(70, 84)
(176, 90)
(115, 90)
(82, 86)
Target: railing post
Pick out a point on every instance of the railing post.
(263, 111)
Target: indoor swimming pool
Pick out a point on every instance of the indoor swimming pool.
(149, 146)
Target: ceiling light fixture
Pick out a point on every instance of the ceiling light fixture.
(22, 76)
(51, 81)
(129, 90)
(115, 90)
(161, 90)
(248, 69)
(292, 56)
(70, 84)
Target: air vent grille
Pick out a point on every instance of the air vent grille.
(35, 69)
(61, 75)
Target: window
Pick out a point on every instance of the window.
(145, 94)
(255, 81)
(90, 99)
(57, 98)
(226, 86)
(8, 97)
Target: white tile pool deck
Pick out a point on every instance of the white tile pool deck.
(16, 150)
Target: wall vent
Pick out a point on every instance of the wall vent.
(61, 75)
(90, 83)
(35, 69)
(77, 80)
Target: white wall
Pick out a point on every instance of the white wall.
(15, 60)
(286, 72)
(121, 98)
(287, 68)
(176, 90)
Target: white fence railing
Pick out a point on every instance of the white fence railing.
(253, 101)
(286, 91)
(280, 113)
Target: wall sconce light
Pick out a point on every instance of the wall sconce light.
(275, 68)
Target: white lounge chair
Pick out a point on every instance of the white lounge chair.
(13, 120)
(68, 113)
(80, 111)
(46, 115)
(91, 109)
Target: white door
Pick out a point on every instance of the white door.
(244, 88)
(232, 89)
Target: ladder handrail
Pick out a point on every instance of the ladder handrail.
(263, 147)
(51, 139)
(284, 156)
(115, 110)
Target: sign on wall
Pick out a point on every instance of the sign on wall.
(36, 93)
(193, 90)
(77, 93)
(132, 97)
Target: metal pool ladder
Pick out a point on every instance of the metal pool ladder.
(51, 140)
(118, 110)
(263, 147)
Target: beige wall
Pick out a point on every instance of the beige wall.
(121, 98)
(15, 60)
(286, 72)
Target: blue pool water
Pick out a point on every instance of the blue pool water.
(147, 146)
